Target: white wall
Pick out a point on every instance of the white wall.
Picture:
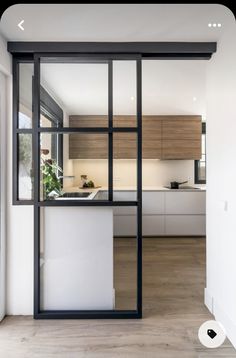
(19, 240)
(3, 103)
(5, 58)
(19, 260)
(220, 294)
(5, 65)
(174, 87)
(155, 172)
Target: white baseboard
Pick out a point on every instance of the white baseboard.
(114, 298)
(221, 316)
(208, 300)
(226, 321)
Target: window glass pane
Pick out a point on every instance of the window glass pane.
(73, 165)
(203, 144)
(201, 164)
(25, 179)
(44, 122)
(25, 95)
(202, 170)
(75, 94)
(124, 94)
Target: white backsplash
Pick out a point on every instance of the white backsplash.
(155, 172)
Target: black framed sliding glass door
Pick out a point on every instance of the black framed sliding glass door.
(78, 264)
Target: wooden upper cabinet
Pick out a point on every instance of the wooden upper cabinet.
(181, 127)
(181, 137)
(88, 121)
(180, 149)
(88, 146)
(124, 145)
(164, 137)
(152, 137)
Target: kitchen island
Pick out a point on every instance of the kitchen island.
(166, 212)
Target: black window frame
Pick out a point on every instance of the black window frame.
(197, 180)
(53, 113)
(17, 60)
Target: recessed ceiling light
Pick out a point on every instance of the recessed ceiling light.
(219, 25)
(210, 25)
(132, 98)
(194, 99)
(214, 25)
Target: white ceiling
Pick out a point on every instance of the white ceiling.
(169, 87)
(115, 22)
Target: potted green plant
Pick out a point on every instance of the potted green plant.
(51, 182)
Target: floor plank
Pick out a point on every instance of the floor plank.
(173, 286)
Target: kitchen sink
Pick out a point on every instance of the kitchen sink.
(76, 195)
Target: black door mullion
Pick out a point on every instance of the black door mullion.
(35, 126)
(139, 186)
(15, 161)
(36, 185)
(110, 126)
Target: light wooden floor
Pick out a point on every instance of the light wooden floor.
(174, 280)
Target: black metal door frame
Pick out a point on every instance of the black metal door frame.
(26, 51)
(37, 130)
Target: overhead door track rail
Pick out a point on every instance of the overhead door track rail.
(152, 50)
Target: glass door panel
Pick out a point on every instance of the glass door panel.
(124, 94)
(87, 242)
(75, 94)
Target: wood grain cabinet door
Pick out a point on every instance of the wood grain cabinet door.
(88, 146)
(164, 137)
(152, 133)
(181, 137)
(124, 144)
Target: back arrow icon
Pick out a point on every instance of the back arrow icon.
(20, 25)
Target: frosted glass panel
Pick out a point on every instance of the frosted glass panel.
(76, 254)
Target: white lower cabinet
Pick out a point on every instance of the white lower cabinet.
(165, 213)
(185, 202)
(153, 202)
(125, 225)
(185, 225)
(153, 225)
(125, 196)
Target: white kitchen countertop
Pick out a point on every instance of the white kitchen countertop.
(94, 191)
